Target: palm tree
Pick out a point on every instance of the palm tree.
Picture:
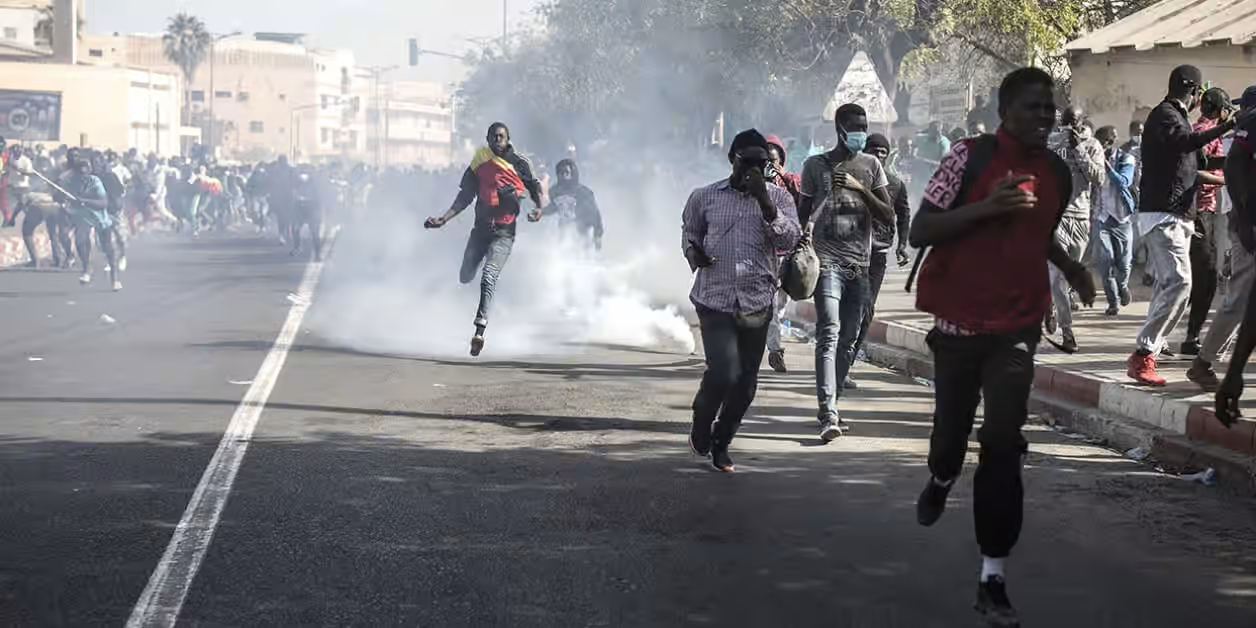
(186, 41)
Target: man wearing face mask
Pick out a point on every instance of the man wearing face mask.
(1084, 156)
(1166, 217)
(496, 181)
(732, 230)
(843, 192)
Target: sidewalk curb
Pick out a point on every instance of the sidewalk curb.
(1073, 401)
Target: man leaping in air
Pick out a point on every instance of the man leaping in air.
(496, 180)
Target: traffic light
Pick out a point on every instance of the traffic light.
(414, 52)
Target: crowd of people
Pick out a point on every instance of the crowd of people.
(84, 196)
(1012, 230)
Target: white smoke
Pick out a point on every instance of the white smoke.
(392, 286)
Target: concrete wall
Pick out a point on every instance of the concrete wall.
(18, 24)
(1118, 86)
(104, 107)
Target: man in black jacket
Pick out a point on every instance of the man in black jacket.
(575, 204)
(1169, 185)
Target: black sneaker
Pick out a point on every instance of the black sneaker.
(1126, 297)
(700, 440)
(477, 345)
(1190, 347)
(776, 360)
(722, 461)
(994, 605)
(1112, 311)
(932, 503)
(830, 430)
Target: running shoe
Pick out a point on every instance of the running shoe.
(1142, 368)
(932, 502)
(776, 360)
(477, 345)
(1204, 376)
(722, 461)
(117, 286)
(994, 605)
(85, 278)
(122, 264)
(830, 430)
(700, 440)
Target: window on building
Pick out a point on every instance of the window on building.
(326, 135)
(222, 94)
(11, 33)
(256, 127)
(198, 96)
(94, 52)
(323, 101)
(242, 96)
(283, 98)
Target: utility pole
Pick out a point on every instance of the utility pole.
(505, 21)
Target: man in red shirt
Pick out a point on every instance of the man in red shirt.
(990, 213)
(1214, 108)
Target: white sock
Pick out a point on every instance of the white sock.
(943, 484)
(991, 567)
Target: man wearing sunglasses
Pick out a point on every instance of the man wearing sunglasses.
(1166, 221)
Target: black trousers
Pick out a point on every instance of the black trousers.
(1203, 272)
(734, 352)
(999, 368)
(876, 276)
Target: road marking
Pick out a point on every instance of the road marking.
(168, 587)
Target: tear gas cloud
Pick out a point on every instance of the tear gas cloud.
(392, 286)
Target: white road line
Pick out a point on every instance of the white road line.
(168, 587)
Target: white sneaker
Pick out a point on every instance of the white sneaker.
(85, 278)
(122, 264)
(108, 268)
(117, 285)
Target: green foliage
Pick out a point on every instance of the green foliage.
(186, 43)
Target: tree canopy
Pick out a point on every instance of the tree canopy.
(594, 65)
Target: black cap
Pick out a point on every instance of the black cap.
(748, 140)
(1248, 99)
(1185, 76)
(876, 140)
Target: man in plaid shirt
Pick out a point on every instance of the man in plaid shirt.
(732, 231)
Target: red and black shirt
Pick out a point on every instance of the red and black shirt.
(994, 279)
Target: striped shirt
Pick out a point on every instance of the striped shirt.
(729, 226)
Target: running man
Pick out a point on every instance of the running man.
(991, 213)
(732, 231)
(89, 209)
(778, 174)
(496, 181)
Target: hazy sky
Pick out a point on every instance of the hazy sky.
(376, 30)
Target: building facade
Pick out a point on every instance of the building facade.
(270, 94)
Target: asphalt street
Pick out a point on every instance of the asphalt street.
(382, 490)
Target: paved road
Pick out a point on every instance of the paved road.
(395, 490)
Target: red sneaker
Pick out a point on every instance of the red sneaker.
(1142, 369)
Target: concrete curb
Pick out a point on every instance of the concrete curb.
(1101, 410)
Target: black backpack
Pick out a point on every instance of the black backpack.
(981, 153)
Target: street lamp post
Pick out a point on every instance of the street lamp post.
(213, 44)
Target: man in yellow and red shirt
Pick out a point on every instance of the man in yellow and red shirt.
(496, 181)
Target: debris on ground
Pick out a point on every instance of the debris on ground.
(923, 382)
(108, 320)
(34, 358)
(297, 299)
(1138, 453)
(240, 382)
(1207, 477)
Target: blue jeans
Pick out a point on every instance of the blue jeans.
(840, 306)
(1115, 255)
(489, 246)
